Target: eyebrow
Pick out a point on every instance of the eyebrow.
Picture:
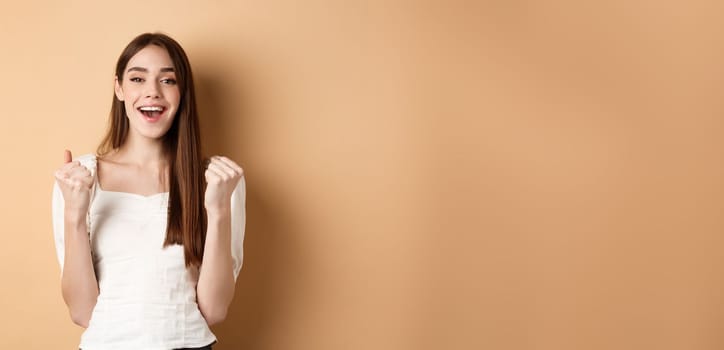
(145, 70)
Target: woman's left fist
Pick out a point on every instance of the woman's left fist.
(222, 175)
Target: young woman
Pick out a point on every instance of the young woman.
(148, 235)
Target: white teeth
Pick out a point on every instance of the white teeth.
(151, 109)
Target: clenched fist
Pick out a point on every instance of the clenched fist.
(75, 182)
(222, 175)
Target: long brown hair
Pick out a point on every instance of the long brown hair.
(181, 146)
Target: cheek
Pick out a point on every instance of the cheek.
(175, 101)
(175, 95)
(128, 105)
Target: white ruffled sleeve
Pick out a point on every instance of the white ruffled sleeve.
(238, 224)
(59, 224)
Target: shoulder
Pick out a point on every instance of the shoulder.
(239, 192)
(88, 160)
(240, 186)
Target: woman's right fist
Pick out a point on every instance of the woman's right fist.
(75, 182)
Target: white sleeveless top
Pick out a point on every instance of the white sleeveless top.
(147, 296)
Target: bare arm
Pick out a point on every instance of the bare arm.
(71, 197)
(215, 289)
(78, 283)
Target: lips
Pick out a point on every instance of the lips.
(152, 113)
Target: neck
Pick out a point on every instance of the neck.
(142, 151)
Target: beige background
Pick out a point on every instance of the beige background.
(421, 174)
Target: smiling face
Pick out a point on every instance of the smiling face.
(149, 92)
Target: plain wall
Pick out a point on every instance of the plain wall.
(420, 174)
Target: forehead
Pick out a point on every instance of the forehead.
(151, 57)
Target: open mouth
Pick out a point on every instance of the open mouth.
(151, 112)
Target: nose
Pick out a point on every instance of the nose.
(152, 90)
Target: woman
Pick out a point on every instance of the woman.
(149, 237)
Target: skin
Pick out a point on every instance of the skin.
(138, 167)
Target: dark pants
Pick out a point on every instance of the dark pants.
(207, 347)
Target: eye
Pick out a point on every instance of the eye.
(169, 81)
(136, 79)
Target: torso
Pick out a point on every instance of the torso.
(147, 295)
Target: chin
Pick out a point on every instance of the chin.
(155, 135)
